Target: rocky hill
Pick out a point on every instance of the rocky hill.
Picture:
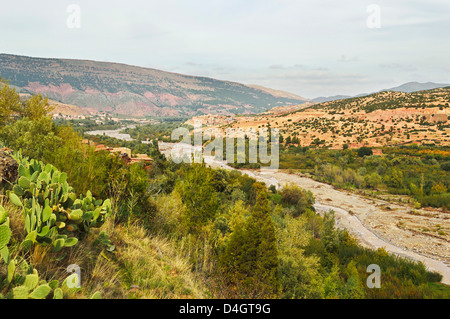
(131, 90)
(379, 119)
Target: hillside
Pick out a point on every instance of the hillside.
(409, 87)
(64, 109)
(131, 90)
(384, 118)
(322, 99)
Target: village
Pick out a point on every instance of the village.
(100, 118)
(124, 153)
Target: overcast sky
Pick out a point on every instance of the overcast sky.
(308, 47)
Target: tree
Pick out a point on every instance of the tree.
(329, 234)
(394, 177)
(199, 197)
(354, 288)
(333, 284)
(299, 274)
(10, 103)
(37, 139)
(35, 107)
(365, 151)
(12, 106)
(273, 189)
(293, 195)
(372, 180)
(438, 188)
(250, 259)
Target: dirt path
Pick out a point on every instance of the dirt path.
(374, 223)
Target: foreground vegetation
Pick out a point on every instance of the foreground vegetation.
(171, 230)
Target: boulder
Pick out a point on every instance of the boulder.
(8, 168)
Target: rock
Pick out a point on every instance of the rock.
(8, 168)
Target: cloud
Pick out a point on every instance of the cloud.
(307, 47)
(344, 58)
(282, 67)
(308, 82)
(276, 67)
(398, 66)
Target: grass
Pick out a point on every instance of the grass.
(153, 264)
(439, 289)
(141, 266)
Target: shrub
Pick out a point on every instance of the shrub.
(301, 200)
(365, 151)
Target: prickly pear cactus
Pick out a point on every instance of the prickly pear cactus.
(51, 207)
(5, 235)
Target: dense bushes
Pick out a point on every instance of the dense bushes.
(294, 196)
(417, 171)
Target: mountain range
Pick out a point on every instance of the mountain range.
(131, 90)
(123, 89)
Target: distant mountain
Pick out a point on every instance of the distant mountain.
(132, 90)
(416, 86)
(409, 87)
(278, 93)
(323, 99)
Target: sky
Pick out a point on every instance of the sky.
(308, 47)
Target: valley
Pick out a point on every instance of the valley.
(398, 228)
(225, 157)
(360, 180)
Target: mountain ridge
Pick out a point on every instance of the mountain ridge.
(132, 90)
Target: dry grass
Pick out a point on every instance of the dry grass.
(142, 266)
(153, 264)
